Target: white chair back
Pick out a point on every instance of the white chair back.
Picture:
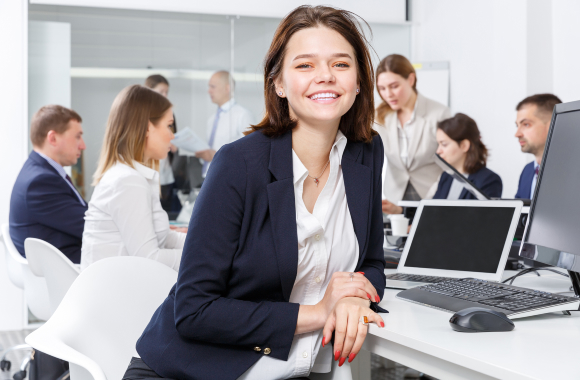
(14, 259)
(97, 324)
(35, 290)
(47, 261)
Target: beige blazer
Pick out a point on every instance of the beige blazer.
(421, 169)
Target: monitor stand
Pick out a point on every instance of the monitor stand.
(575, 277)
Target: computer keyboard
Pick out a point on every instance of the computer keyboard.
(416, 278)
(457, 294)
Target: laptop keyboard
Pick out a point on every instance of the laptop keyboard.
(502, 296)
(417, 278)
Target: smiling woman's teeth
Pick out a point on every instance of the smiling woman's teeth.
(325, 96)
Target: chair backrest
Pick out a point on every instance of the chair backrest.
(105, 311)
(14, 259)
(45, 260)
(35, 290)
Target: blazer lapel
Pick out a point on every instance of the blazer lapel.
(420, 110)
(357, 185)
(416, 138)
(392, 148)
(283, 211)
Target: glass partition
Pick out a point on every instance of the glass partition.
(112, 48)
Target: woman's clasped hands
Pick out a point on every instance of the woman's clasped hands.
(346, 305)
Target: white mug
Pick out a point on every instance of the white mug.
(399, 226)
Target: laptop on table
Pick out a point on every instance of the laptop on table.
(457, 239)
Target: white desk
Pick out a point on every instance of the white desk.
(540, 347)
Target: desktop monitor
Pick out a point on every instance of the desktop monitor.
(552, 234)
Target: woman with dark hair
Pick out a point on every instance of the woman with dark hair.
(407, 122)
(284, 248)
(461, 146)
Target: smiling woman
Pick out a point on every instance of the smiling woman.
(299, 197)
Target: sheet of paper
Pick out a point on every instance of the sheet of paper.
(189, 140)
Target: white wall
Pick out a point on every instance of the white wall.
(566, 55)
(485, 42)
(14, 132)
(48, 65)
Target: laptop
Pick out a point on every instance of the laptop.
(457, 239)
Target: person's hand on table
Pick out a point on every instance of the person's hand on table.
(391, 208)
(347, 284)
(178, 229)
(341, 285)
(349, 330)
(206, 155)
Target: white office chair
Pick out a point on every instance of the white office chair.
(35, 294)
(47, 261)
(97, 324)
(14, 260)
(35, 290)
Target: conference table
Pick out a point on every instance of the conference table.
(540, 347)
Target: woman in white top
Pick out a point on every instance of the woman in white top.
(407, 123)
(169, 200)
(125, 217)
(285, 245)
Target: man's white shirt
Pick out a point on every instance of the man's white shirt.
(233, 121)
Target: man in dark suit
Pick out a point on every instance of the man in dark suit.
(44, 202)
(533, 124)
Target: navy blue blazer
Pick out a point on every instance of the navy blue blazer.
(43, 206)
(240, 260)
(484, 179)
(526, 179)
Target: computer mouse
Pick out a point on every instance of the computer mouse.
(479, 319)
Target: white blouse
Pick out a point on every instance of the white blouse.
(125, 218)
(326, 244)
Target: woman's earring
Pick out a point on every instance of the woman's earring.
(280, 93)
(357, 90)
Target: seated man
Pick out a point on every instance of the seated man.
(533, 124)
(44, 203)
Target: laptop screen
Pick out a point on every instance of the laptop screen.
(460, 238)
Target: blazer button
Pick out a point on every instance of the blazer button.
(257, 349)
(267, 351)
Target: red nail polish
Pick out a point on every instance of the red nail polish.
(361, 272)
(351, 357)
(323, 338)
(382, 324)
(368, 295)
(377, 299)
(341, 362)
(336, 355)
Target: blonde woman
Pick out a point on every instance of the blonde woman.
(407, 124)
(125, 217)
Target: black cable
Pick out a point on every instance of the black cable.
(529, 270)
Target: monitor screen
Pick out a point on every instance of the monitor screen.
(552, 235)
(460, 238)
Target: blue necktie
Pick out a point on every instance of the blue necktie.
(211, 139)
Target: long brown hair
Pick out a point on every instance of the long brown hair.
(399, 65)
(126, 132)
(461, 127)
(356, 123)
